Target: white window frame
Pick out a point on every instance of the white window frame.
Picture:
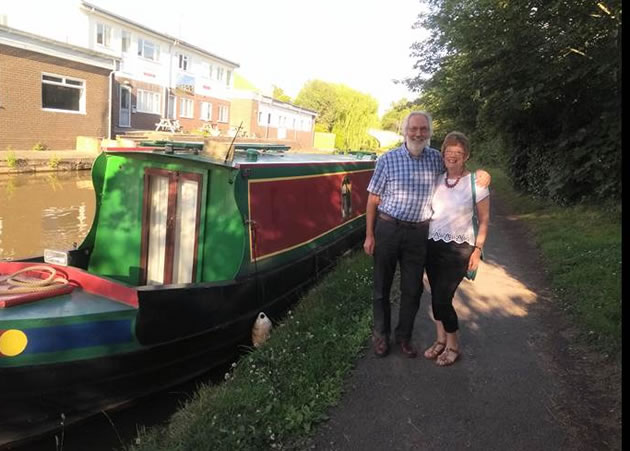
(183, 62)
(144, 44)
(148, 102)
(207, 114)
(224, 113)
(186, 107)
(228, 77)
(125, 34)
(220, 73)
(210, 70)
(102, 29)
(63, 81)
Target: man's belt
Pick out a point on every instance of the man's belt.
(400, 222)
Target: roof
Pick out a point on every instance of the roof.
(273, 101)
(34, 43)
(116, 17)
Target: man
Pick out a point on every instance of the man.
(397, 226)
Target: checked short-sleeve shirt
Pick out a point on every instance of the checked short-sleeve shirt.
(405, 183)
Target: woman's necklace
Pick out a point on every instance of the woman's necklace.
(449, 185)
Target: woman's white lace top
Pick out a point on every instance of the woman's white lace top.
(452, 210)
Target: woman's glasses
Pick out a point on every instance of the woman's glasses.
(454, 153)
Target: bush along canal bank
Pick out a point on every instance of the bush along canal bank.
(581, 250)
(273, 396)
(21, 161)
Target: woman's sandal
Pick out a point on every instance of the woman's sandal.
(434, 350)
(448, 357)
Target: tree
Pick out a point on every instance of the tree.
(278, 94)
(539, 78)
(341, 110)
(393, 118)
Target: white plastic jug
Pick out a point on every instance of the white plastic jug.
(261, 330)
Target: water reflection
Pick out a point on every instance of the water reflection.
(50, 210)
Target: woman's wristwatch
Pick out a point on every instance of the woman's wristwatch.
(479, 247)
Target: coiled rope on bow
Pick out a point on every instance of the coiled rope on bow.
(18, 285)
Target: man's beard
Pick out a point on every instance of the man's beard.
(416, 146)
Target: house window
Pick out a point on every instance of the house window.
(260, 118)
(148, 50)
(210, 69)
(220, 73)
(186, 108)
(148, 102)
(103, 34)
(125, 41)
(183, 62)
(228, 78)
(62, 93)
(223, 113)
(172, 104)
(206, 111)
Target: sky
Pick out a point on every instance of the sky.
(364, 44)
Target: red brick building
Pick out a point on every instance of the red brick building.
(51, 92)
(265, 117)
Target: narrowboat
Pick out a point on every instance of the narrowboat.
(187, 246)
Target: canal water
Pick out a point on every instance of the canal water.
(55, 211)
(51, 210)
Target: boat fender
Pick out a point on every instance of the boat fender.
(261, 330)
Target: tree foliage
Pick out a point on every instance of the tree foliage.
(537, 83)
(393, 118)
(343, 111)
(279, 94)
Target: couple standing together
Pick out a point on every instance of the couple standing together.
(420, 214)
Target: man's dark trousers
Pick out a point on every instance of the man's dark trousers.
(406, 245)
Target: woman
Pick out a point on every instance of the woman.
(453, 248)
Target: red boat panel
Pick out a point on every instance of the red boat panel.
(292, 211)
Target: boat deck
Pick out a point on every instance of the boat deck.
(74, 304)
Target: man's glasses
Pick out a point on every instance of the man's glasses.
(418, 129)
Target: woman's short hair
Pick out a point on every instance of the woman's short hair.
(454, 138)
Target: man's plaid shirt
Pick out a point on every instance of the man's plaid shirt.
(405, 183)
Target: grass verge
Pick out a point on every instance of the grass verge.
(581, 249)
(273, 396)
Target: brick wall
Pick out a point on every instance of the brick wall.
(139, 121)
(23, 122)
(195, 123)
(147, 121)
(304, 138)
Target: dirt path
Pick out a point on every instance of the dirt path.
(523, 382)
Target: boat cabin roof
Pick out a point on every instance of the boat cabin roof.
(242, 154)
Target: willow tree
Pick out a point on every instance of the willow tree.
(341, 110)
(393, 118)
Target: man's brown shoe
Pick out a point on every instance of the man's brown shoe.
(408, 349)
(381, 346)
